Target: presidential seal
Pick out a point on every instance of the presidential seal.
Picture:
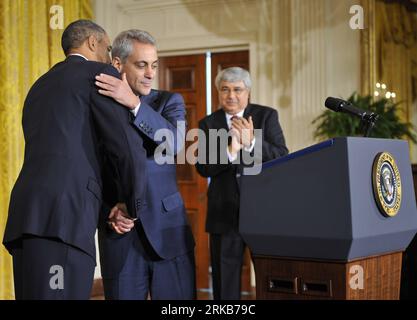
(386, 183)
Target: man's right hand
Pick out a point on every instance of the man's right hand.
(117, 89)
(119, 219)
(235, 144)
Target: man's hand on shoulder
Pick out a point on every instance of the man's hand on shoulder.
(117, 89)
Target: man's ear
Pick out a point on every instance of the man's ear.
(92, 43)
(117, 63)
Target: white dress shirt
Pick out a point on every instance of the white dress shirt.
(135, 111)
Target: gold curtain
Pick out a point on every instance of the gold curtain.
(28, 48)
(396, 47)
(389, 50)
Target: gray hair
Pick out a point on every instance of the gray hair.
(123, 44)
(234, 74)
(77, 32)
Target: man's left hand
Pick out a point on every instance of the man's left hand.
(245, 128)
(117, 89)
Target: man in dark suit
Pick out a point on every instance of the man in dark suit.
(238, 117)
(69, 130)
(155, 254)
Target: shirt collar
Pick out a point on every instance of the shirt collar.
(239, 114)
(77, 54)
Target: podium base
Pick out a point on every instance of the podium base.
(368, 278)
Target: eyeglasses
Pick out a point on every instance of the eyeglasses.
(236, 91)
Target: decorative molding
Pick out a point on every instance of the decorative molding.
(210, 42)
(134, 6)
(184, 52)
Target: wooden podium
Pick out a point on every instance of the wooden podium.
(314, 227)
(280, 278)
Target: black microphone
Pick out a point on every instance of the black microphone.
(340, 105)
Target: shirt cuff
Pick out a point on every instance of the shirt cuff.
(252, 145)
(230, 156)
(135, 111)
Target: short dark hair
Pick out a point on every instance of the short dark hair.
(77, 32)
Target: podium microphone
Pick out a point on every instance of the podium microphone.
(368, 119)
(340, 105)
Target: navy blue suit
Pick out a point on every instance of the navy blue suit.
(68, 126)
(157, 256)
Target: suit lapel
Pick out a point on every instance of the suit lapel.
(219, 120)
(251, 111)
(151, 99)
(219, 117)
(247, 112)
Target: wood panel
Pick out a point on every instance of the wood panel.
(186, 75)
(382, 277)
(294, 279)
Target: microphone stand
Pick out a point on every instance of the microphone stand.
(368, 122)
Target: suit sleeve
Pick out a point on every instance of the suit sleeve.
(172, 118)
(115, 131)
(273, 144)
(203, 165)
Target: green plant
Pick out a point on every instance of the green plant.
(332, 124)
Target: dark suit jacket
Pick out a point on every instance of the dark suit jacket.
(223, 191)
(59, 190)
(163, 220)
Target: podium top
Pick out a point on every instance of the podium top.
(319, 202)
(299, 153)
